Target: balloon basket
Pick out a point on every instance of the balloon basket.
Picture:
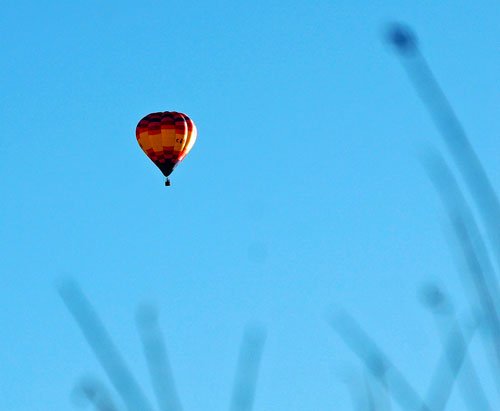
(167, 183)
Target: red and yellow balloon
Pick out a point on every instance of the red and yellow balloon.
(166, 138)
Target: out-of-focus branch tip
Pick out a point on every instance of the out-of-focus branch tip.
(434, 298)
(244, 387)
(90, 391)
(147, 315)
(402, 38)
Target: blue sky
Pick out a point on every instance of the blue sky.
(303, 193)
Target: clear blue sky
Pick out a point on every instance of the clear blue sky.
(304, 190)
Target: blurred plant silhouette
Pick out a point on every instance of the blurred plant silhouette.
(95, 393)
(479, 259)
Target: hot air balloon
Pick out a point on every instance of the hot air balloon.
(166, 138)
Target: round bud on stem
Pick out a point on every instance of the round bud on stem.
(401, 37)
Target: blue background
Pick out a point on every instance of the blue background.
(304, 192)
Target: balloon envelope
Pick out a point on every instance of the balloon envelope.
(166, 138)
